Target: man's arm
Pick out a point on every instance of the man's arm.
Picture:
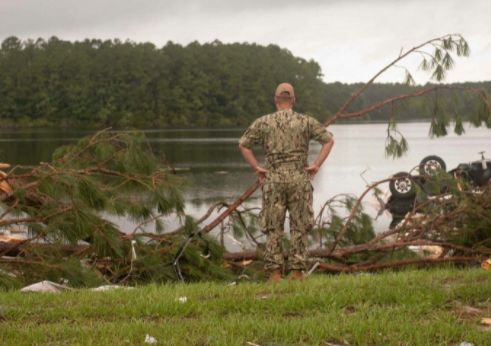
(251, 160)
(325, 150)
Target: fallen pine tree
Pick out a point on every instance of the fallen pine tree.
(462, 232)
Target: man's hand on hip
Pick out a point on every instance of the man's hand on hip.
(261, 173)
(251, 160)
(312, 170)
(321, 157)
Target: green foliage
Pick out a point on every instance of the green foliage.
(395, 144)
(395, 148)
(438, 127)
(453, 210)
(441, 60)
(482, 113)
(96, 83)
(244, 224)
(359, 231)
(472, 225)
(459, 128)
(63, 202)
(409, 80)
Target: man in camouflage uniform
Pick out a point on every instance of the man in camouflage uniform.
(285, 137)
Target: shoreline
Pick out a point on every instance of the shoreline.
(90, 129)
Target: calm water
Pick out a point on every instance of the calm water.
(212, 163)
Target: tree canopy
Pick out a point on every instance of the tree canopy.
(95, 83)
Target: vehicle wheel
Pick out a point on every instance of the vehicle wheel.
(402, 185)
(431, 165)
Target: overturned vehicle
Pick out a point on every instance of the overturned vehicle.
(408, 190)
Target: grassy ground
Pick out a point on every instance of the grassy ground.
(417, 307)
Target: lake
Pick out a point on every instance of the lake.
(215, 170)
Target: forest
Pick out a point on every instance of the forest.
(123, 84)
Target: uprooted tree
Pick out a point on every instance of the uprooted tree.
(63, 206)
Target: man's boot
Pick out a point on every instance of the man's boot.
(274, 276)
(295, 275)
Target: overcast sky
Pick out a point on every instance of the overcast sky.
(350, 39)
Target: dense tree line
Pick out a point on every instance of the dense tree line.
(126, 84)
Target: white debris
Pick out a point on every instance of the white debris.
(314, 267)
(150, 339)
(45, 286)
(133, 251)
(182, 299)
(3, 272)
(110, 288)
(465, 343)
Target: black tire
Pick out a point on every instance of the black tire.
(432, 165)
(399, 207)
(486, 178)
(402, 185)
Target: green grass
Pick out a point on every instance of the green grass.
(415, 307)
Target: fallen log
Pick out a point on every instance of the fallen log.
(14, 248)
(420, 262)
(349, 250)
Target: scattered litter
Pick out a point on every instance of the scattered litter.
(470, 310)
(486, 321)
(263, 295)
(245, 262)
(244, 277)
(350, 309)
(250, 343)
(110, 288)
(221, 172)
(314, 267)
(233, 283)
(182, 299)
(150, 339)
(3, 272)
(133, 251)
(45, 286)
(486, 264)
(465, 343)
(336, 343)
(232, 239)
(205, 256)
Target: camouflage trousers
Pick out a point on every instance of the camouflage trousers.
(278, 198)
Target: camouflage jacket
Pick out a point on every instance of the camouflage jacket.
(285, 136)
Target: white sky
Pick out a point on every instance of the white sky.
(350, 39)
